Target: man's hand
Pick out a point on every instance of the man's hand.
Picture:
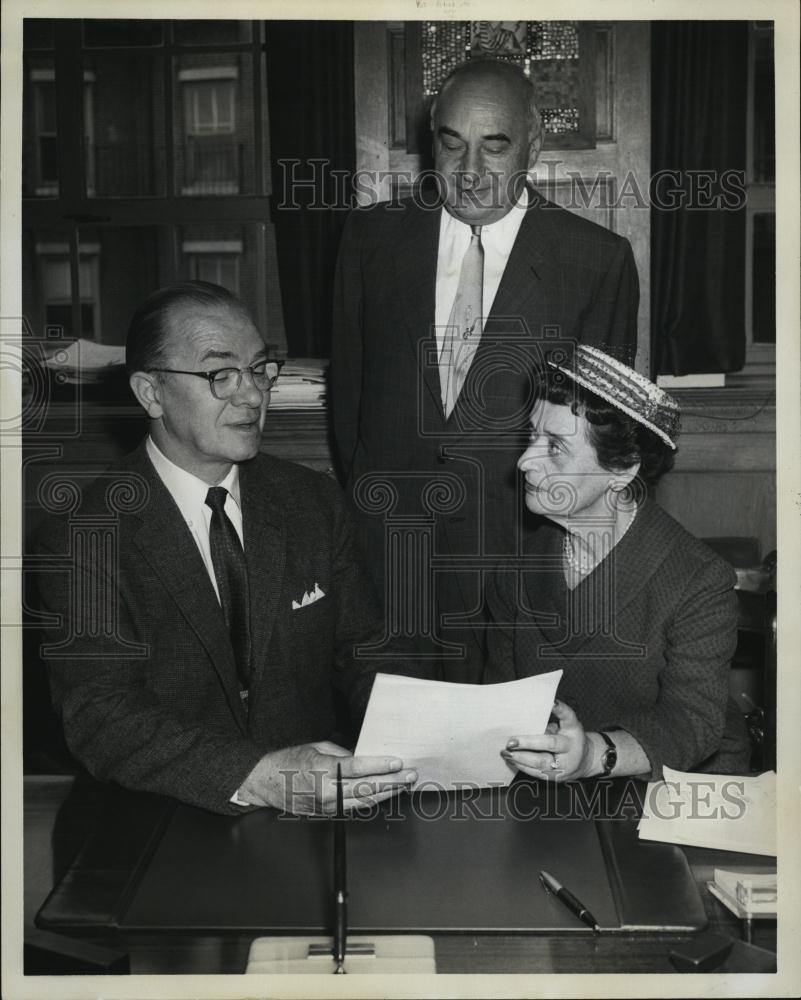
(302, 779)
(564, 752)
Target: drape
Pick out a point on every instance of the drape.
(698, 157)
(310, 106)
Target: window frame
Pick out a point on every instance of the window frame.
(75, 206)
(217, 251)
(760, 360)
(192, 92)
(48, 254)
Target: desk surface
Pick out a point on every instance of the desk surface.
(429, 863)
(203, 952)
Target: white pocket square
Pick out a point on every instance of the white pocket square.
(309, 597)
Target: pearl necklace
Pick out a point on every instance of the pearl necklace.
(581, 565)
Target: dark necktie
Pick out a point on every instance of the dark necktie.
(464, 324)
(231, 574)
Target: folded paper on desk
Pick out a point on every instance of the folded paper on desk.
(453, 734)
(724, 811)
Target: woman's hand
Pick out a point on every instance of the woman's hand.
(562, 753)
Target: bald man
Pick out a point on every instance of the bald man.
(442, 307)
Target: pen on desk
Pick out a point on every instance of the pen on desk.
(576, 907)
(340, 880)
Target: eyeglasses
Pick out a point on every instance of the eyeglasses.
(224, 382)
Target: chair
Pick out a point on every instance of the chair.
(753, 668)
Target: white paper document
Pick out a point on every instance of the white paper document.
(453, 734)
(725, 811)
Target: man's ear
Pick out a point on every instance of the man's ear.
(145, 386)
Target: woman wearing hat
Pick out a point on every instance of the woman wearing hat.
(639, 614)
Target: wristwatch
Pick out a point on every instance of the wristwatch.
(609, 756)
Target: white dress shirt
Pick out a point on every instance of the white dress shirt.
(189, 493)
(454, 238)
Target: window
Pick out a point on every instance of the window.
(44, 90)
(760, 290)
(210, 104)
(46, 141)
(211, 147)
(215, 261)
(56, 288)
(151, 141)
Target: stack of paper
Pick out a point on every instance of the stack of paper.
(753, 890)
(86, 361)
(301, 385)
(724, 811)
(748, 894)
(453, 734)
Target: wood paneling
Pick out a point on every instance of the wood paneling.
(604, 83)
(396, 49)
(724, 479)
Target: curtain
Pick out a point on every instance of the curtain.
(310, 102)
(697, 201)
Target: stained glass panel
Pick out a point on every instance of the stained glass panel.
(445, 44)
(547, 51)
(554, 39)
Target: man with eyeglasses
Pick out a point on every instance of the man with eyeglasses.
(208, 658)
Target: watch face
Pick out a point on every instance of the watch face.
(609, 760)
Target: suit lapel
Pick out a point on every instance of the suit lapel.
(533, 263)
(642, 551)
(619, 580)
(167, 545)
(265, 552)
(545, 589)
(416, 273)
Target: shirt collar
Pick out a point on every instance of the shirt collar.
(187, 490)
(500, 235)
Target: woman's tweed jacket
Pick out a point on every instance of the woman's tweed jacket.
(645, 641)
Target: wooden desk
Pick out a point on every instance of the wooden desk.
(53, 836)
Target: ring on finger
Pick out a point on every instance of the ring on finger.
(555, 762)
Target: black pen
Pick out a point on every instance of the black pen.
(340, 880)
(576, 907)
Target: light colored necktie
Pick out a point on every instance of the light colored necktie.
(464, 326)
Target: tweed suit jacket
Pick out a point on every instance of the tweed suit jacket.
(566, 280)
(154, 703)
(645, 641)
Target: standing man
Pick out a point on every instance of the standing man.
(441, 312)
(200, 648)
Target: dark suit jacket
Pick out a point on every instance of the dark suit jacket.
(645, 641)
(152, 700)
(566, 279)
